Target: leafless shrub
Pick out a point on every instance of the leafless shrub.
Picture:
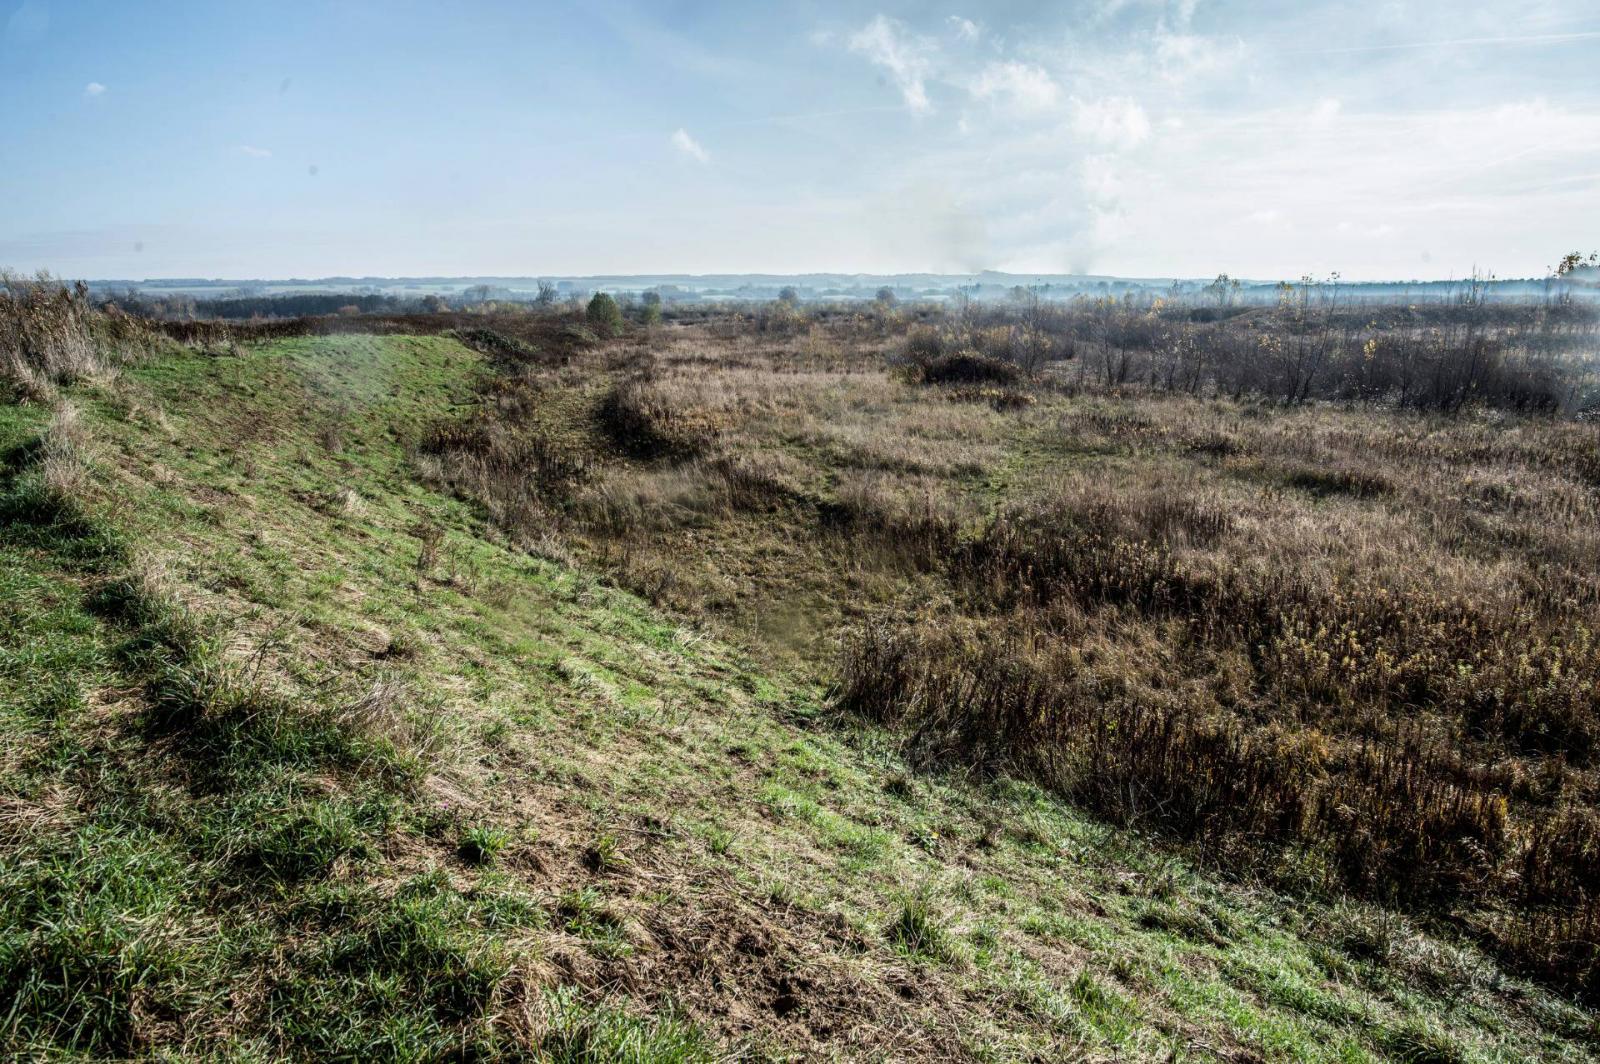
(1311, 344)
(968, 367)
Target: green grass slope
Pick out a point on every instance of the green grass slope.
(300, 758)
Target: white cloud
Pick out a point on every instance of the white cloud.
(689, 146)
(1464, 42)
(1027, 87)
(964, 28)
(1182, 11)
(1112, 122)
(1316, 200)
(94, 88)
(906, 57)
(1184, 56)
(256, 153)
(1150, 141)
(927, 222)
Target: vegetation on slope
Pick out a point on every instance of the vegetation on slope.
(304, 757)
(1348, 649)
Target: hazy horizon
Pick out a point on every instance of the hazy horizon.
(1128, 138)
(613, 280)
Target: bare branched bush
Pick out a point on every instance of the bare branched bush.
(968, 367)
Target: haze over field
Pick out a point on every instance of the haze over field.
(1130, 137)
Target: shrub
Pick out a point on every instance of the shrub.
(603, 315)
(968, 367)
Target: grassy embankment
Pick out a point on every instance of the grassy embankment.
(303, 756)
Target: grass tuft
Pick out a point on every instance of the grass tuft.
(918, 931)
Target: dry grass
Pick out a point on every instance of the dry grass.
(642, 816)
(1346, 648)
(64, 455)
(51, 335)
(1331, 639)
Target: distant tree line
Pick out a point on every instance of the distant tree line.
(1310, 345)
(244, 307)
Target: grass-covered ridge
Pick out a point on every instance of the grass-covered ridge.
(305, 757)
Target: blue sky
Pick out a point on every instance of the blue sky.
(1139, 137)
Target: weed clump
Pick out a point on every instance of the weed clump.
(578, 1032)
(414, 974)
(482, 844)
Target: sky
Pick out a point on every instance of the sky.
(1150, 138)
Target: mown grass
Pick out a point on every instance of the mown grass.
(305, 866)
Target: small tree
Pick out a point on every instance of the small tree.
(1574, 261)
(781, 316)
(605, 317)
(546, 296)
(1223, 291)
(789, 295)
(886, 297)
